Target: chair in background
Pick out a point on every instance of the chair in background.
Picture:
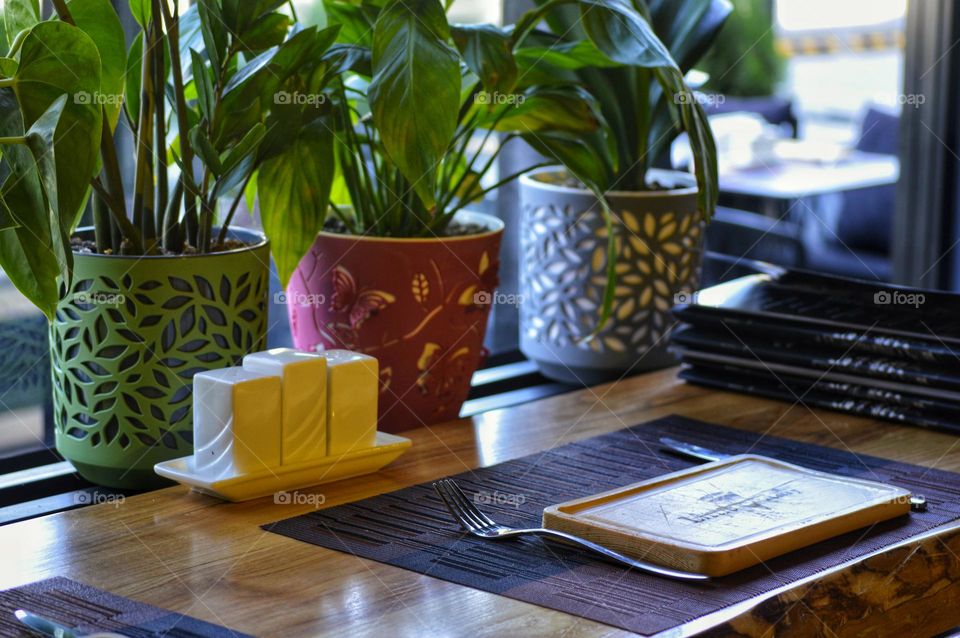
(736, 237)
(850, 235)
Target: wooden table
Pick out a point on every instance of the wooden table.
(209, 559)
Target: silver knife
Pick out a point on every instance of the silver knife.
(696, 452)
(692, 451)
(44, 626)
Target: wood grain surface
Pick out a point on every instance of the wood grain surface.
(200, 556)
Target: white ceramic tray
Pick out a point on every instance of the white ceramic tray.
(287, 477)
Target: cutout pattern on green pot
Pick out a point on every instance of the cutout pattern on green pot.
(127, 339)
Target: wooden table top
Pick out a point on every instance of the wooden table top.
(209, 559)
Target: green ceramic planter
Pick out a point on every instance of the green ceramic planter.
(127, 339)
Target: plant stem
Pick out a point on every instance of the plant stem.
(172, 237)
(101, 224)
(186, 152)
(143, 181)
(119, 217)
(18, 139)
(160, 136)
(233, 209)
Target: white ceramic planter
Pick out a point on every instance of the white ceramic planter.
(563, 273)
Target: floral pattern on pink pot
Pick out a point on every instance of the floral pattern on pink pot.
(420, 306)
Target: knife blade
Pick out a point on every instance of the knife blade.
(44, 626)
(690, 450)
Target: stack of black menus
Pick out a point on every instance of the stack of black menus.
(875, 350)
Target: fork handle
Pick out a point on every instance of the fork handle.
(620, 558)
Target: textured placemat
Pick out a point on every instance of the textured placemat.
(410, 528)
(88, 609)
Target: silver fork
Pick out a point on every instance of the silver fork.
(479, 524)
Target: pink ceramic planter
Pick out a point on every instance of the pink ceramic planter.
(420, 306)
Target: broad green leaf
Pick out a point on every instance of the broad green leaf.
(585, 160)
(294, 192)
(562, 55)
(356, 21)
(26, 252)
(554, 108)
(40, 141)
(19, 15)
(98, 20)
(415, 92)
(7, 219)
(623, 34)
(55, 59)
(266, 32)
(688, 27)
(487, 51)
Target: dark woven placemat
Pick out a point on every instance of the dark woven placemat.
(88, 609)
(410, 528)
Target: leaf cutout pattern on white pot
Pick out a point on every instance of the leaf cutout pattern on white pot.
(563, 275)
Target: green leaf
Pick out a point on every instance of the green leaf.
(623, 34)
(247, 146)
(266, 32)
(40, 141)
(213, 32)
(688, 27)
(132, 87)
(415, 92)
(19, 15)
(294, 192)
(582, 156)
(55, 59)
(205, 150)
(204, 84)
(487, 51)
(7, 219)
(562, 55)
(141, 11)
(356, 21)
(26, 252)
(98, 20)
(554, 108)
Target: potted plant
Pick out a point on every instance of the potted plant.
(405, 271)
(161, 287)
(578, 261)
